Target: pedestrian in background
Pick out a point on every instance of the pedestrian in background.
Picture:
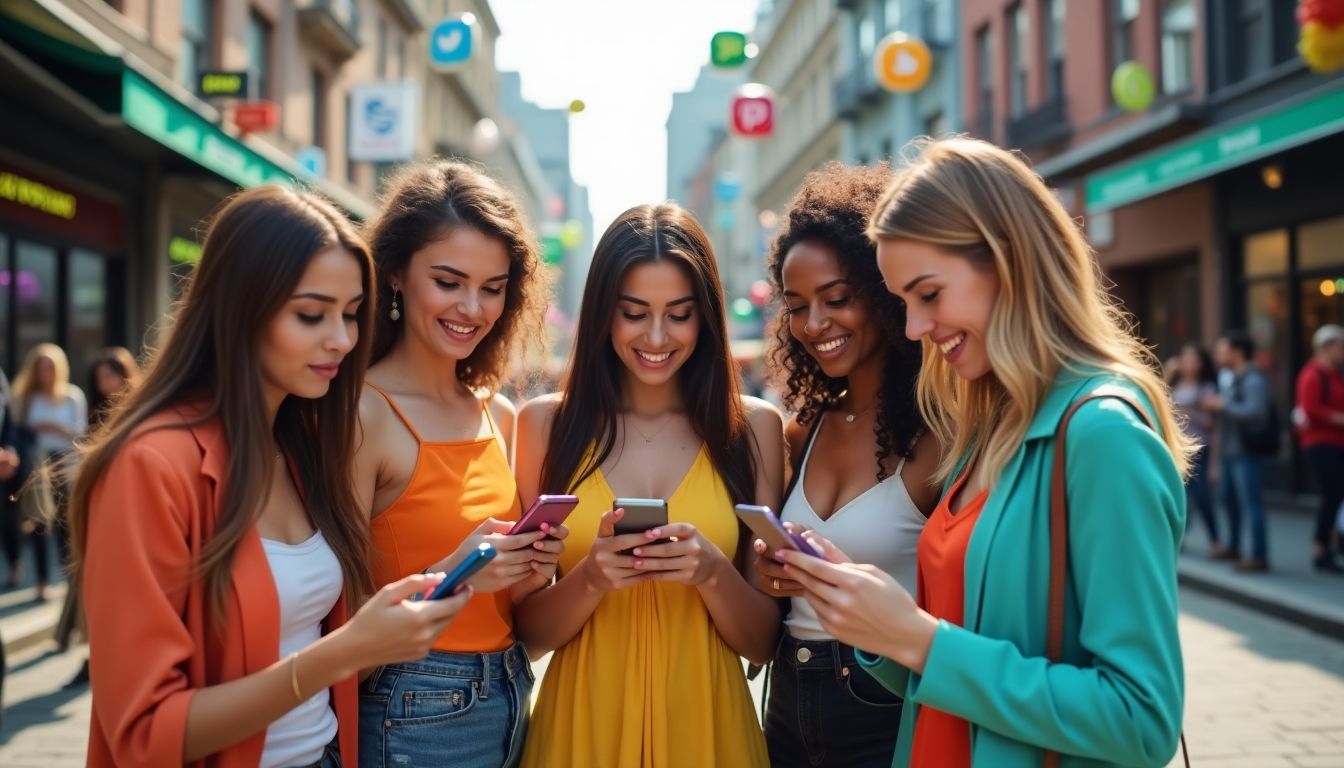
(1003, 658)
(55, 413)
(9, 466)
(1248, 433)
(1320, 396)
(1193, 377)
(862, 459)
(218, 537)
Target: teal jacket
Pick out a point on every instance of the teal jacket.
(1117, 697)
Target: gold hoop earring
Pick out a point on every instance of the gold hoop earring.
(395, 314)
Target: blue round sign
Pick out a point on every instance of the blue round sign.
(450, 43)
(381, 116)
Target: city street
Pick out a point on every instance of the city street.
(1261, 694)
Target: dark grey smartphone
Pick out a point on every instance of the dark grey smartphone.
(640, 514)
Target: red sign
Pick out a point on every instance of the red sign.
(256, 116)
(753, 111)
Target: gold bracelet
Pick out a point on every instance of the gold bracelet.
(294, 676)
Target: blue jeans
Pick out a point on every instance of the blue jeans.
(1241, 488)
(826, 711)
(1198, 496)
(467, 710)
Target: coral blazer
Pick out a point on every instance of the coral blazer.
(151, 642)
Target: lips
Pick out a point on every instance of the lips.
(459, 332)
(326, 371)
(951, 345)
(653, 359)
(831, 347)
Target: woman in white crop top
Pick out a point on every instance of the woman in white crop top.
(863, 478)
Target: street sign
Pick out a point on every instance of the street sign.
(451, 43)
(382, 121)
(902, 63)
(313, 160)
(728, 50)
(225, 84)
(256, 116)
(753, 111)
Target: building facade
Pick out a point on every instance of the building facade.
(1212, 207)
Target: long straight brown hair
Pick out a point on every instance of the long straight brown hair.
(255, 253)
(650, 234)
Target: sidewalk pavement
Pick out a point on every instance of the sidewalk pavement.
(1291, 590)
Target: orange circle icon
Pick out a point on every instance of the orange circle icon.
(902, 63)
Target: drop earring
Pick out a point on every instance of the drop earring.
(395, 314)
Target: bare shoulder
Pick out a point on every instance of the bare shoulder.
(795, 435)
(375, 413)
(761, 413)
(534, 418)
(502, 409)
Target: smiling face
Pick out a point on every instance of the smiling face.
(302, 347)
(948, 300)
(657, 321)
(825, 314)
(452, 291)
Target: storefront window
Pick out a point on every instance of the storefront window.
(86, 330)
(1321, 244)
(34, 284)
(1267, 323)
(1266, 253)
(6, 281)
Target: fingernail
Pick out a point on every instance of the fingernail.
(638, 552)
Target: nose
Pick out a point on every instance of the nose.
(917, 325)
(471, 305)
(657, 332)
(343, 338)
(817, 320)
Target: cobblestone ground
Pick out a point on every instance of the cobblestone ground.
(1262, 694)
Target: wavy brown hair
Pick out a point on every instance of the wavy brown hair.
(255, 253)
(833, 207)
(587, 414)
(424, 203)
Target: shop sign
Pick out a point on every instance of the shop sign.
(220, 84)
(256, 116)
(37, 196)
(382, 121)
(1216, 150)
(183, 250)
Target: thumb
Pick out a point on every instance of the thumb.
(403, 589)
(491, 525)
(828, 550)
(606, 527)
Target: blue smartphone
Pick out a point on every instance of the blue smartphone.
(464, 570)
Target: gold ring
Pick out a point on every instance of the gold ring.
(775, 583)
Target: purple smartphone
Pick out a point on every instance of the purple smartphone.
(548, 508)
(763, 523)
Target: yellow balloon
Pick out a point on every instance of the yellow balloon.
(1322, 47)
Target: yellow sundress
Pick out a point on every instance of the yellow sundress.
(648, 682)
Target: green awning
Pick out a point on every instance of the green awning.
(1217, 149)
(114, 84)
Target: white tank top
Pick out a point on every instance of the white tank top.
(880, 526)
(308, 580)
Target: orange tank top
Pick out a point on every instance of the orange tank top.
(454, 487)
(943, 740)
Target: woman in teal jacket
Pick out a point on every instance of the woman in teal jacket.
(1017, 326)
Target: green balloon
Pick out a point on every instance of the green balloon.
(1132, 87)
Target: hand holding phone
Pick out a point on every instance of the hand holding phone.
(767, 527)
(469, 567)
(551, 509)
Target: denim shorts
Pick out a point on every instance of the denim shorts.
(467, 710)
(824, 710)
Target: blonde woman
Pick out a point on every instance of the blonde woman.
(1005, 294)
(54, 413)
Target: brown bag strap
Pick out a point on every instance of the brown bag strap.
(1059, 536)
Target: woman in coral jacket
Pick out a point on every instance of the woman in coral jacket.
(213, 522)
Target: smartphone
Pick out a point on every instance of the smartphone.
(767, 527)
(640, 514)
(464, 570)
(548, 508)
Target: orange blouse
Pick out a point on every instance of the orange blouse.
(942, 740)
(150, 643)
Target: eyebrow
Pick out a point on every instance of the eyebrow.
(826, 287)
(643, 303)
(465, 276)
(322, 297)
(911, 285)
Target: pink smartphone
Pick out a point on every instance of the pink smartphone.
(548, 508)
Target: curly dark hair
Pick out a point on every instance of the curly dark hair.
(423, 202)
(833, 207)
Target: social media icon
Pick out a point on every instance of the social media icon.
(728, 49)
(450, 43)
(902, 63)
(753, 111)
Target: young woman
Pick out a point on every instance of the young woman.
(460, 289)
(213, 521)
(113, 375)
(1017, 327)
(1193, 378)
(54, 413)
(864, 460)
(646, 668)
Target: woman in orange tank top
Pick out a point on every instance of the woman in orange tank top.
(459, 287)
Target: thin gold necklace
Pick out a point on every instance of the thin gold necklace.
(850, 417)
(648, 438)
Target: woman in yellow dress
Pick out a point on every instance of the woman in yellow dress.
(647, 668)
